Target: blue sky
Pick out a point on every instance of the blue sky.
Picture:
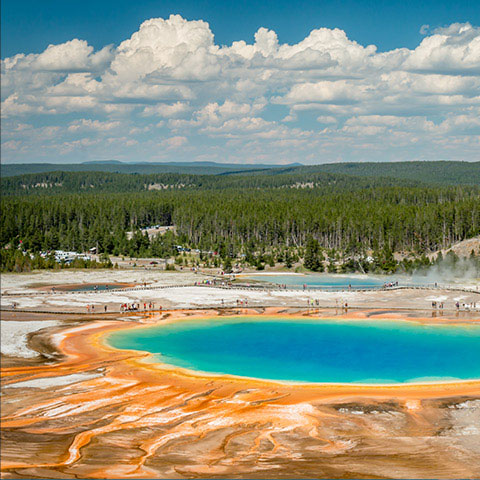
(30, 26)
(253, 82)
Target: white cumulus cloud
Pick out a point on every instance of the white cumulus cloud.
(323, 98)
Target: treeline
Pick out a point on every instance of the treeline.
(273, 224)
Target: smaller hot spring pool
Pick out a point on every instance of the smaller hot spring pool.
(91, 287)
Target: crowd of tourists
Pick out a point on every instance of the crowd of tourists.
(390, 284)
(136, 307)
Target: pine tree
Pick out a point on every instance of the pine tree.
(312, 255)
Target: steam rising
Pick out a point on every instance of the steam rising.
(450, 268)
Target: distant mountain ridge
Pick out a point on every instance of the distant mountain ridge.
(196, 163)
(100, 162)
(115, 166)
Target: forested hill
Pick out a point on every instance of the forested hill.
(103, 182)
(434, 173)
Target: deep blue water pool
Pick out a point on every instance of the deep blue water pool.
(313, 350)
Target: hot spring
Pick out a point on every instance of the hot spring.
(333, 282)
(311, 350)
(90, 287)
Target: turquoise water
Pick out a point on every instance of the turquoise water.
(325, 280)
(312, 350)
